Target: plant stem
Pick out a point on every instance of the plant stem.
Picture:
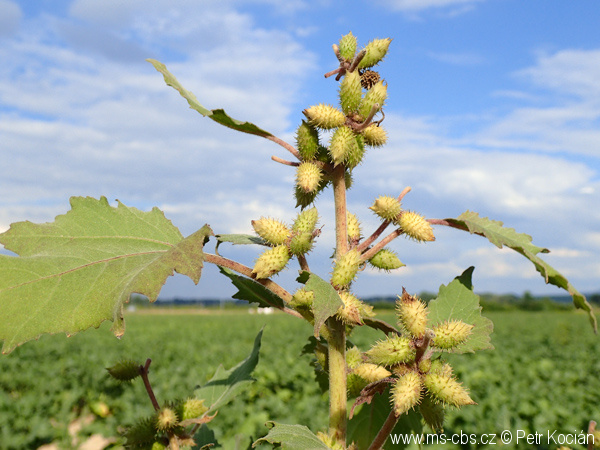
(290, 148)
(385, 431)
(144, 374)
(337, 330)
(337, 380)
(339, 197)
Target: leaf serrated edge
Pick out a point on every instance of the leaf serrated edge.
(466, 222)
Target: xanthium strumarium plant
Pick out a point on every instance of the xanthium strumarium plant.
(81, 269)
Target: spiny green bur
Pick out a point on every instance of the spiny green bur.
(391, 351)
(307, 141)
(271, 262)
(376, 95)
(348, 44)
(375, 51)
(350, 92)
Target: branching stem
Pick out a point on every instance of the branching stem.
(385, 431)
(289, 147)
(385, 241)
(365, 244)
(284, 161)
(247, 271)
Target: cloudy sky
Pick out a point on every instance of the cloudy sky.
(494, 106)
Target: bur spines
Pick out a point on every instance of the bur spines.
(345, 269)
(375, 135)
(446, 389)
(271, 262)
(325, 116)
(451, 333)
(350, 92)
(374, 96)
(386, 207)
(386, 260)
(391, 351)
(309, 177)
(406, 392)
(274, 231)
(307, 141)
(416, 226)
(412, 314)
(375, 52)
(347, 46)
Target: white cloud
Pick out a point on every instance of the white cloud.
(449, 7)
(565, 119)
(571, 71)
(10, 17)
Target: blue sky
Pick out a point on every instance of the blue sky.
(494, 106)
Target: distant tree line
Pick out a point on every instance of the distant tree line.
(489, 302)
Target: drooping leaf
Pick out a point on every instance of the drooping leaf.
(226, 384)
(326, 302)
(251, 291)
(457, 301)
(370, 417)
(241, 239)
(218, 115)
(78, 271)
(499, 235)
(292, 437)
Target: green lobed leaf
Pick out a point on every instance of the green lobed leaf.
(226, 384)
(457, 301)
(292, 437)
(251, 291)
(326, 302)
(218, 115)
(78, 271)
(520, 242)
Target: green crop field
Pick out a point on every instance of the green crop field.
(545, 379)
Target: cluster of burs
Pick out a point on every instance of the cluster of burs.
(351, 129)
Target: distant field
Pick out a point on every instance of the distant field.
(543, 375)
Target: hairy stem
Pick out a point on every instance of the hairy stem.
(337, 330)
(385, 431)
(341, 226)
(337, 380)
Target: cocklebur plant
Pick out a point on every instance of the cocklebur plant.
(80, 270)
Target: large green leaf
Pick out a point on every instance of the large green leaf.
(292, 437)
(226, 384)
(520, 242)
(457, 301)
(78, 271)
(326, 302)
(251, 291)
(218, 115)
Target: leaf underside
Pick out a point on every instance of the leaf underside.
(326, 303)
(501, 236)
(218, 115)
(226, 384)
(457, 301)
(292, 437)
(251, 291)
(78, 271)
